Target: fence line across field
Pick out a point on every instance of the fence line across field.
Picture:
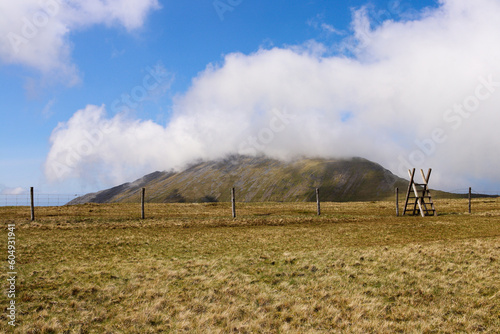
(39, 199)
(33, 200)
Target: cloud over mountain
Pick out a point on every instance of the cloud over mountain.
(422, 92)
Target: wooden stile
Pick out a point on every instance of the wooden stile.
(421, 196)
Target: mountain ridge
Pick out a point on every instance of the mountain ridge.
(259, 179)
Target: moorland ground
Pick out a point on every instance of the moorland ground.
(276, 268)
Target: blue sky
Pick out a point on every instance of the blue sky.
(91, 68)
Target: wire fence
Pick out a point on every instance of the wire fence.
(476, 192)
(39, 199)
(53, 203)
(63, 199)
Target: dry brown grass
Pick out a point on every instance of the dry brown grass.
(276, 268)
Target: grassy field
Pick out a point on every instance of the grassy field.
(277, 268)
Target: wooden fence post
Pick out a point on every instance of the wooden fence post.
(317, 201)
(233, 203)
(32, 204)
(470, 199)
(143, 193)
(397, 202)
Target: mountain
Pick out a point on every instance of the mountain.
(260, 179)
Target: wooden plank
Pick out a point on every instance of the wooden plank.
(317, 202)
(419, 200)
(412, 175)
(428, 175)
(420, 207)
(233, 202)
(32, 206)
(470, 200)
(397, 202)
(143, 195)
(415, 206)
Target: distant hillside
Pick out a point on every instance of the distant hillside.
(260, 179)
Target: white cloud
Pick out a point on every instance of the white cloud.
(13, 191)
(331, 29)
(47, 110)
(404, 95)
(318, 23)
(35, 33)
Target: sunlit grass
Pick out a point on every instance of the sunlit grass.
(277, 267)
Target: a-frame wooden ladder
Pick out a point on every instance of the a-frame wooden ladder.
(421, 196)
